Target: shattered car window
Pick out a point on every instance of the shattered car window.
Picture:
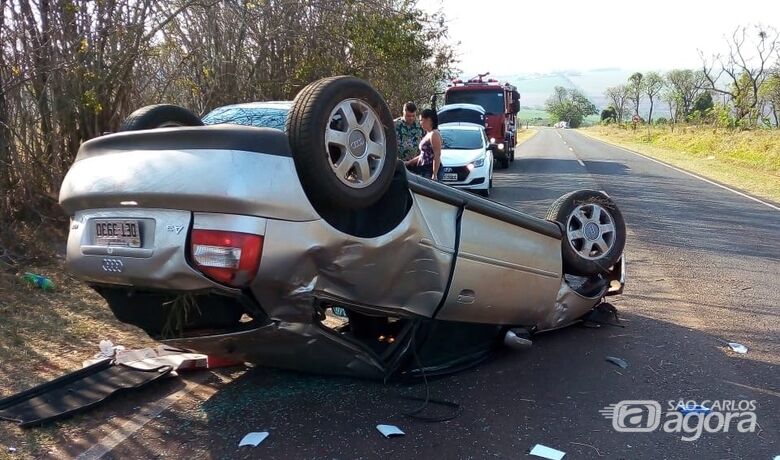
(460, 139)
(259, 117)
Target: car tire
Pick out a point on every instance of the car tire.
(504, 162)
(594, 231)
(484, 192)
(159, 116)
(343, 142)
(512, 154)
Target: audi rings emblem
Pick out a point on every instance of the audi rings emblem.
(113, 266)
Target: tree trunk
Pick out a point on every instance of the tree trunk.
(650, 115)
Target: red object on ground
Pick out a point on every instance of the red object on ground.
(214, 362)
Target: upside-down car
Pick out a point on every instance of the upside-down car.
(313, 249)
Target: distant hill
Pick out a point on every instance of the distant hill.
(535, 88)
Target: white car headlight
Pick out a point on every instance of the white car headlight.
(479, 162)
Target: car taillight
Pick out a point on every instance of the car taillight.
(227, 257)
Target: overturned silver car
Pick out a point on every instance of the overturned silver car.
(313, 249)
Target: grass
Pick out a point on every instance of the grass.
(525, 134)
(747, 160)
(44, 335)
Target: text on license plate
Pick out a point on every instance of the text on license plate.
(450, 176)
(117, 233)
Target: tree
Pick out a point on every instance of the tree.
(618, 96)
(654, 83)
(609, 115)
(744, 68)
(683, 88)
(636, 89)
(703, 104)
(569, 105)
(770, 94)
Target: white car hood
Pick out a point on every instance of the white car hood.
(451, 157)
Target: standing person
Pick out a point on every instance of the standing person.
(408, 132)
(428, 162)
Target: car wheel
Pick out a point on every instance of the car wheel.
(512, 154)
(343, 142)
(504, 162)
(594, 232)
(159, 116)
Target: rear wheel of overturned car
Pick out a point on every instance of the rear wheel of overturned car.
(343, 142)
(594, 231)
(159, 116)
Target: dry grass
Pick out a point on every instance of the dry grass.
(525, 134)
(748, 160)
(47, 334)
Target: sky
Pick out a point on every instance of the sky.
(562, 35)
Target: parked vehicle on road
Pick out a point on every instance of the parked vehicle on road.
(467, 157)
(246, 242)
(501, 103)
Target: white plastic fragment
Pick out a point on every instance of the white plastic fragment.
(738, 347)
(12, 449)
(253, 439)
(547, 452)
(618, 361)
(389, 431)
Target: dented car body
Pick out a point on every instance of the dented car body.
(207, 238)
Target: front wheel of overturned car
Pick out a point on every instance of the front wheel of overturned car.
(159, 116)
(594, 232)
(343, 142)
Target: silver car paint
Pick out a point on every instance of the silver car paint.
(223, 181)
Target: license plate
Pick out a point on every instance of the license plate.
(450, 176)
(117, 233)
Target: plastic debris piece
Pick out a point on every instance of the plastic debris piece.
(253, 439)
(12, 449)
(39, 281)
(617, 361)
(547, 452)
(686, 409)
(389, 431)
(738, 347)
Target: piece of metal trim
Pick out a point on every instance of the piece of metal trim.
(505, 264)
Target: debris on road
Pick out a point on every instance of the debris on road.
(547, 452)
(604, 313)
(390, 431)
(738, 347)
(253, 439)
(149, 358)
(618, 361)
(75, 392)
(12, 449)
(39, 281)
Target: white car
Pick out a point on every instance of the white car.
(467, 157)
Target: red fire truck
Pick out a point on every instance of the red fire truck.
(501, 103)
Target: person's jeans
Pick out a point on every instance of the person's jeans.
(427, 171)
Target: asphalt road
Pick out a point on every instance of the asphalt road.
(703, 268)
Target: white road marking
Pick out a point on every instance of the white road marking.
(116, 437)
(770, 205)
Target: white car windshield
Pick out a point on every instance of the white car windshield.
(461, 139)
